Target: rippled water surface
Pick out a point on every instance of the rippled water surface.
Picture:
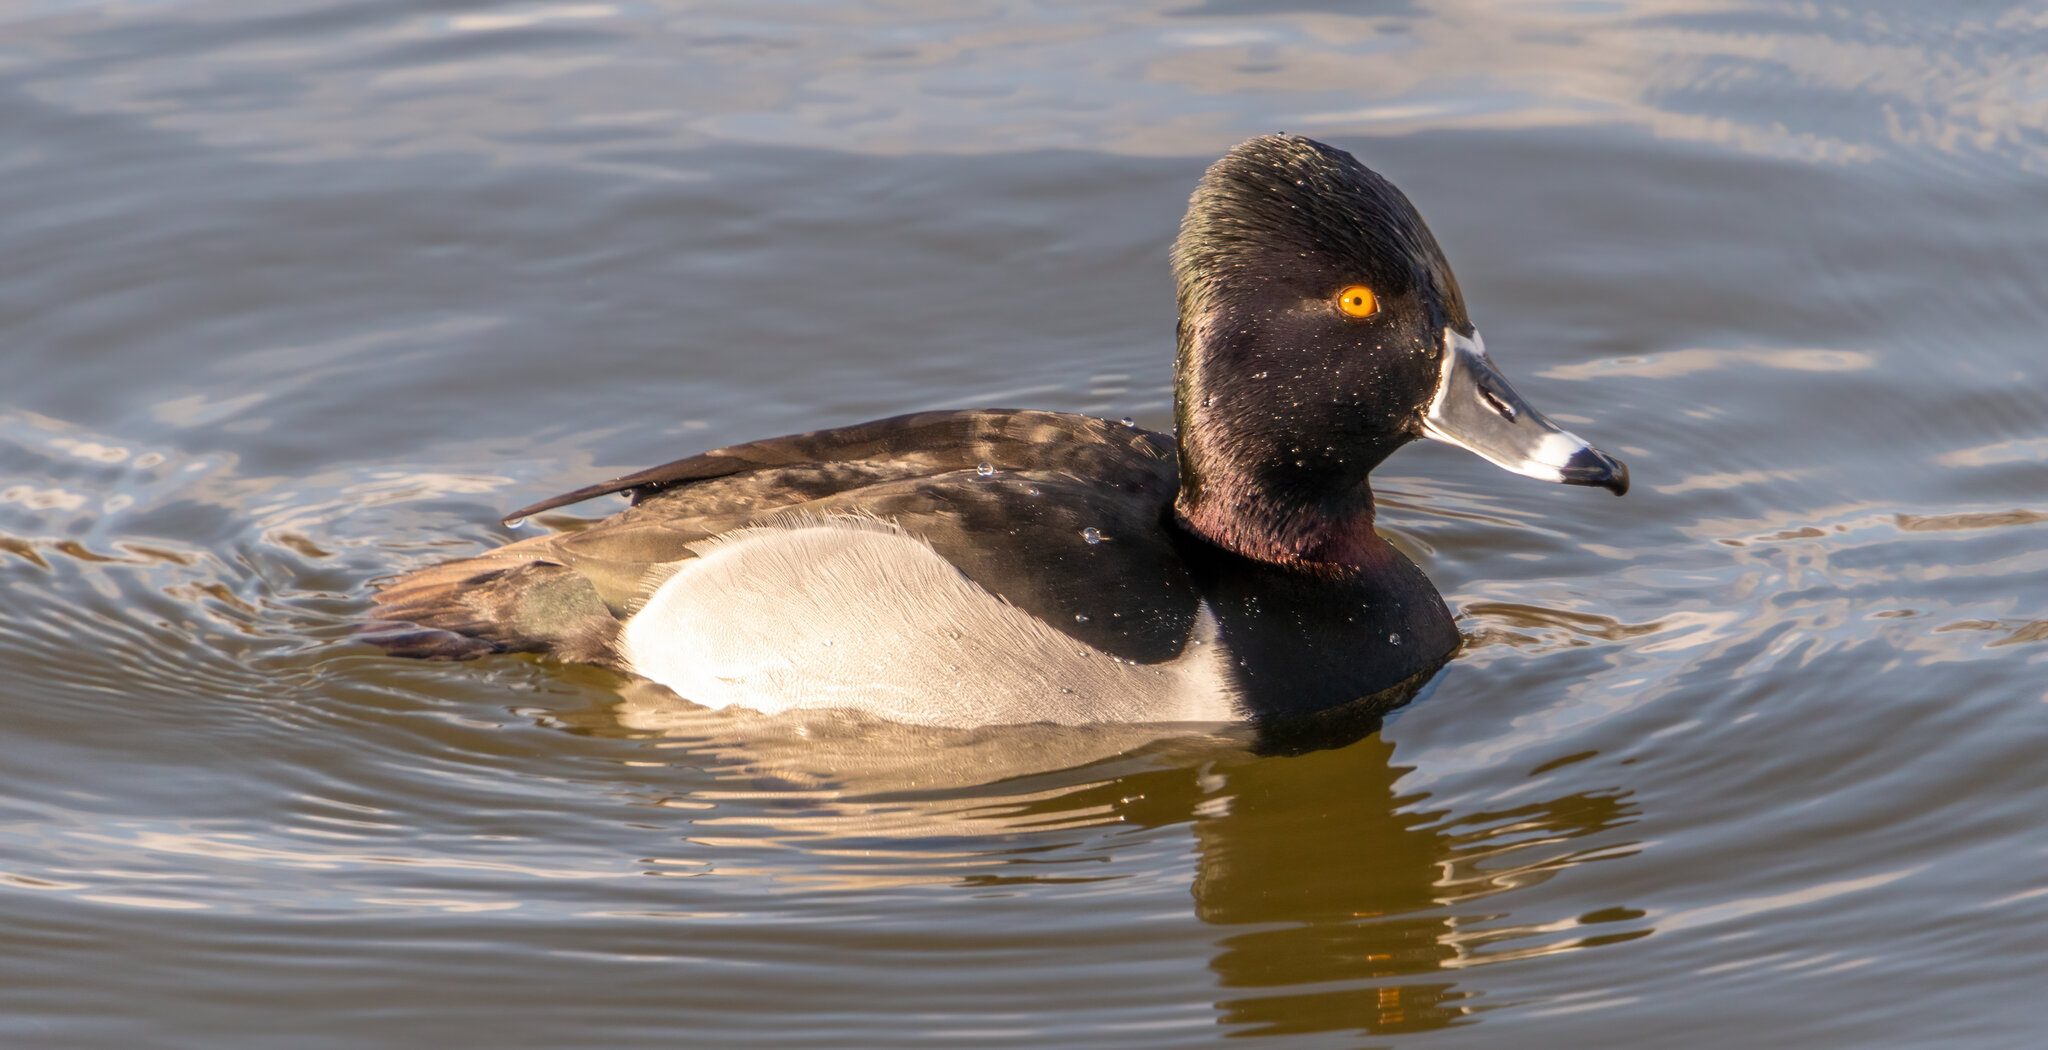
(297, 295)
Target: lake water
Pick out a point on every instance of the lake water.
(295, 295)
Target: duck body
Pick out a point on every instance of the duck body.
(998, 566)
(947, 568)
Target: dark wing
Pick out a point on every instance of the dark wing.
(900, 446)
(1021, 531)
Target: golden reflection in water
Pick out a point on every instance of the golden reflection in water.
(1343, 894)
(1327, 879)
(1342, 904)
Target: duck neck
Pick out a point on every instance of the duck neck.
(1285, 512)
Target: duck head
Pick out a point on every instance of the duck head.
(1320, 330)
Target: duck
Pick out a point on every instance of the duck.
(987, 567)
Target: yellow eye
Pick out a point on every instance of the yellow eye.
(1358, 301)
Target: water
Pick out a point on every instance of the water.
(299, 294)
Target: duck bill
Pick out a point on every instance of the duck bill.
(1475, 409)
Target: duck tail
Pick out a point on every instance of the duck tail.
(504, 601)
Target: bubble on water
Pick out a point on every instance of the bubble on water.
(1091, 535)
(515, 523)
(985, 469)
(1394, 639)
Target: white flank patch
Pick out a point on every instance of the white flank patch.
(855, 613)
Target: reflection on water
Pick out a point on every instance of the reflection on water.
(298, 295)
(1321, 873)
(1339, 880)
(599, 85)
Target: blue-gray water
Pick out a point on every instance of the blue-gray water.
(295, 295)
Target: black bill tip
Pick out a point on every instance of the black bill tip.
(1590, 466)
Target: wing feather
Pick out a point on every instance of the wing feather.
(900, 446)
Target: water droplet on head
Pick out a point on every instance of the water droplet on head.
(1128, 421)
(1394, 639)
(1080, 617)
(1066, 690)
(1208, 399)
(985, 469)
(1091, 535)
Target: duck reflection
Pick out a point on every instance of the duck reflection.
(1334, 881)
(1336, 878)
(1343, 903)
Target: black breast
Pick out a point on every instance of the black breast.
(1310, 640)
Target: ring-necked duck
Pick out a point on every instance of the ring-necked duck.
(1000, 566)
